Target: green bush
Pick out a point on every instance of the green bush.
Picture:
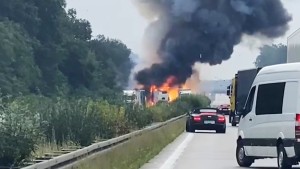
(28, 121)
(138, 117)
(19, 132)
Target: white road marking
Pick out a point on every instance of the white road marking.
(170, 162)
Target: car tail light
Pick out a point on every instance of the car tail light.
(297, 127)
(197, 118)
(221, 119)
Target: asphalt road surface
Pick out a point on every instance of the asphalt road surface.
(204, 150)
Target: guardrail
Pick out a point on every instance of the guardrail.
(66, 159)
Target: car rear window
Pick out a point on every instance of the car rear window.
(205, 111)
(208, 111)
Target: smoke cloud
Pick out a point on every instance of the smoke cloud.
(205, 31)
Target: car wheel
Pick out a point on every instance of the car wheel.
(233, 123)
(241, 157)
(187, 128)
(282, 160)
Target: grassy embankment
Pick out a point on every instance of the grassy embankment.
(139, 150)
(136, 152)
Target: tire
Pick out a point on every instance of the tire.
(233, 123)
(186, 127)
(241, 157)
(223, 131)
(189, 128)
(283, 161)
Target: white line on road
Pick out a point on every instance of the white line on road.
(170, 162)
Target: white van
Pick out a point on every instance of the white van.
(270, 123)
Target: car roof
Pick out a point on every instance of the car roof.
(224, 105)
(287, 67)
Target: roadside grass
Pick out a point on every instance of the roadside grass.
(136, 152)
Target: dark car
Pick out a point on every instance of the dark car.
(206, 119)
(225, 109)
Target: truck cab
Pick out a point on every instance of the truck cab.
(160, 96)
(231, 93)
(129, 96)
(238, 92)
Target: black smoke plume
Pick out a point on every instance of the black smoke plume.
(204, 31)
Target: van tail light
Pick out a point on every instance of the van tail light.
(297, 127)
(221, 119)
(197, 118)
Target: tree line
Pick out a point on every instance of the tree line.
(58, 84)
(50, 51)
(271, 55)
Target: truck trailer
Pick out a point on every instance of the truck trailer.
(135, 97)
(293, 47)
(238, 92)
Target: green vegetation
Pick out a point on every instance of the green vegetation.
(142, 149)
(57, 83)
(271, 55)
(60, 86)
(29, 121)
(48, 50)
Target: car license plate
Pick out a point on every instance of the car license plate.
(209, 122)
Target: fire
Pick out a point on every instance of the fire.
(170, 88)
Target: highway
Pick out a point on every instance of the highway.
(203, 150)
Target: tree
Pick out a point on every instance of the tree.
(79, 28)
(23, 12)
(271, 55)
(59, 55)
(18, 72)
(114, 56)
(79, 64)
(46, 51)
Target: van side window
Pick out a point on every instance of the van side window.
(270, 98)
(249, 103)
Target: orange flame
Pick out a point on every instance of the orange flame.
(170, 88)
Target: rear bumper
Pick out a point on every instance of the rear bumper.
(209, 126)
(297, 150)
(227, 112)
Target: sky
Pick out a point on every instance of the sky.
(120, 19)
